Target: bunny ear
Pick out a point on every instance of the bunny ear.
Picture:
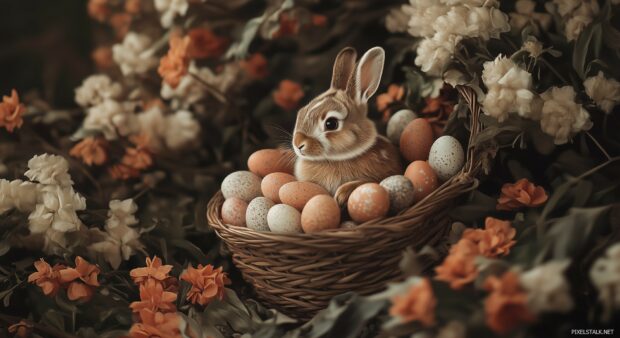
(367, 75)
(343, 68)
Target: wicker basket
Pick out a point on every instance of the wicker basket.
(298, 274)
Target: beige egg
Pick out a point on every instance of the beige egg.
(416, 140)
(271, 184)
(284, 218)
(241, 184)
(446, 157)
(397, 124)
(256, 213)
(423, 178)
(401, 192)
(233, 211)
(320, 213)
(367, 202)
(297, 194)
(267, 161)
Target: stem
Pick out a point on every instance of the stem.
(47, 331)
(599, 145)
(553, 70)
(210, 88)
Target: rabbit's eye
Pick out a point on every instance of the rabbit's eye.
(331, 123)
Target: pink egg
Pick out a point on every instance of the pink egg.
(320, 213)
(233, 211)
(423, 178)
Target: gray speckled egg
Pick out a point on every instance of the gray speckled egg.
(348, 225)
(284, 218)
(256, 213)
(241, 184)
(397, 124)
(401, 192)
(446, 157)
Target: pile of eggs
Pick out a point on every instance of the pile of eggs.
(269, 198)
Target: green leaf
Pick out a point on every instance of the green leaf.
(190, 248)
(589, 40)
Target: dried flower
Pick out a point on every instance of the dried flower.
(23, 329)
(506, 305)
(49, 169)
(156, 324)
(203, 43)
(533, 47)
(102, 56)
(98, 9)
(207, 283)
(90, 150)
(394, 93)
(418, 304)
(95, 89)
(11, 111)
(605, 92)
(288, 95)
(117, 244)
(438, 110)
(288, 26)
(133, 6)
(319, 20)
(169, 9)
(154, 270)
(154, 298)
(561, 115)
(133, 55)
(112, 119)
(433, 55)
(121, 22)
(123, 172)
(547, 288)
(46, 277)
(495, 240)
(521, 193)
(56, 209)
(82, 279)
(458, 267)
(255, 66)
(174, 65)
(18, 194)
(605, 275)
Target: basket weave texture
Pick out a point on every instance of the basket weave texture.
(298, 274)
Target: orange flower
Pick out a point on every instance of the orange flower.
(506, 306)
(458, 268)
(319, 20)
(495, 240)
(438, 109)
(255, 66)
(154, 298)
(133, 6)
(203, 43)
(120, 22)
(154, 270)
(11, 111)
(418, 304)
(90, 150)
(288, 94)
(138, 157)
(22, 329)
(207, 283)
(288, 26)
(523, 193)
(394, 93)
(102, 56)
(174, 65)
(123, 172)
(98, 9)
(46, 277)
(156, 324)
(82, 279)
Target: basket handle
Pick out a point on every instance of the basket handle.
(472, 163)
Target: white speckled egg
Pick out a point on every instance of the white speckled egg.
(241, 184)
(397, 124)
(446, 157)
(284, 218)
(256, 214)
(401, 192)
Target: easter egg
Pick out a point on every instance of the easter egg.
(446, 157)
(284, 218)
(271, 184)
(367, 202)
(416, 140)
(233, 211)
(397, 124)
(348, 225)
(256, 214)
(241, 184)
(423, 178)
(297, 194)
(267, 161)
(401, 192)
(320, 213)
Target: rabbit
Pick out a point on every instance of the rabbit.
(334, 140)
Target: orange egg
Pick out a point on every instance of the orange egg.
(423, 178)
(416, 140)
(367, 202)
(297, 194)
(320, 213)
(271, 184)
(267, 161)
(233, 211)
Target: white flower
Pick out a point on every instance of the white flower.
(533, 47)
(189, 90)
(561, 115)
(95, 89)
(509, 89)
(397, 20)
(484, 22)
(605, 275)
(49, 169)
(525, 14)
(182, 131)
(17, 194)
(605, 92)
(575, 25)
(433, 55)
(118, 244)
(133, 55)
(454, 329)
(56, 209)
(153, 123)
(169, 9)
(422, 15)
(454, 77)
(121, 213)
(54, 242)
(112, 118)
(565, 7)
(547, 288)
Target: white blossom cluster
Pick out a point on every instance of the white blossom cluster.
(605, 92)
(133, 55)
(175, 131)
(576, 15)
(525, 14)
(547, 288)
(561, 116)
(95, 89)
(605, 275)
(112, 118)
(169, 9)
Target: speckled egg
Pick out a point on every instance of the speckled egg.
(416, 140)
(297, 194)
(256, 213)
(284, 218)
(446, 157)
(348, 225)
(267, 161)
(320, 213)
(241, 184)
(367, 202)
(423, 178)
(233, 211)
(271, 184)
(397, 124)
(401, 192)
